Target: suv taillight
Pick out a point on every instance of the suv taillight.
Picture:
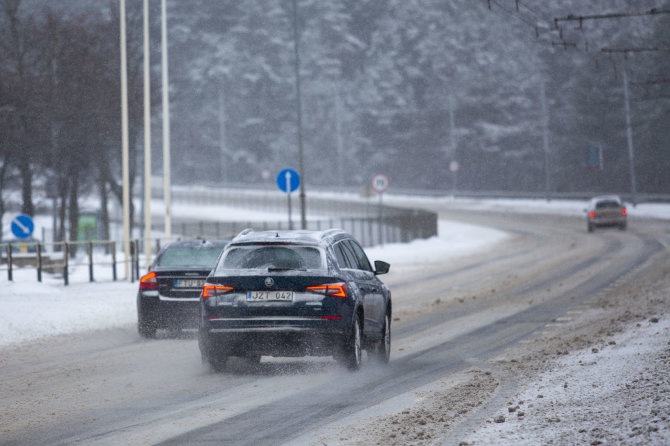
(213, 289)
(330, 289)
(149, 281)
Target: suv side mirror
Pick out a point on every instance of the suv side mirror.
(381, 267)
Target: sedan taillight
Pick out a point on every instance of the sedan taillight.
(330, 289)
(213, 289)
(149, 281)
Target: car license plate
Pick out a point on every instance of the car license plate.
(188, 283)
(270, 295)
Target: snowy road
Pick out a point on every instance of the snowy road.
(110, 387)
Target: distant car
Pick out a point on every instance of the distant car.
(606, 210)
(168, 295)
(295, 293)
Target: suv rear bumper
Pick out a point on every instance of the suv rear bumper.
(274, 337)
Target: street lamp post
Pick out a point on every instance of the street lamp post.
(301, 163)
(166, 124)
(124, 139)
(147, 139)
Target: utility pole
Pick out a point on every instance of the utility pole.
(629, 135)
(166, 124)
(124, 139)
(453, 163)
(545, 138)
(296, 50)
(147, 139)
(338, 135)
(222, 133)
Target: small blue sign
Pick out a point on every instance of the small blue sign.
(288, 180)
(22, 226)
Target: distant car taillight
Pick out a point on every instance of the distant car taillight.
(330, 289)
(149, 281)
(213, 289)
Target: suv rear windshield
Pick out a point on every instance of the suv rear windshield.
(278, 257)
(190, 257)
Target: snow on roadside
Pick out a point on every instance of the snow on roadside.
(616, 394)
(31, 310)
(453, 240)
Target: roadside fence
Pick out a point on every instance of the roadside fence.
(105, 257)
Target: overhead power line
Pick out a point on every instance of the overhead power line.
(612, 15)
(634, 50)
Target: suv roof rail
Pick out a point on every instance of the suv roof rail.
(332, 231)
(244, 232)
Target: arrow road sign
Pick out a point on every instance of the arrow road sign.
(22, 226)
(288, 180)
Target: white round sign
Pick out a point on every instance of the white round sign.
(380, 183)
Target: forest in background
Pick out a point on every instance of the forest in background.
(515, 91)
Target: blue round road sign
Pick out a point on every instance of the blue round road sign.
(22, 226)
(288, 180)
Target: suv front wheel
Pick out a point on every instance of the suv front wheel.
(382, 351)
(351, 352)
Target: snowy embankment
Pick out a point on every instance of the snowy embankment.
(30, 309)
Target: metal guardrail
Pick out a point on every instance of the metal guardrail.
(394, 225)
(59, 258)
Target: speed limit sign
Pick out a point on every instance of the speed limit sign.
(380, 183)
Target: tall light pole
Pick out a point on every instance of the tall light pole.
(166, 124)
(124, 139)
(629, 136)
(301, 167)
(147, 139)
(545, 138)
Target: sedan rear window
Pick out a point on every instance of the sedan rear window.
(272, 257)
(607, 204)
(190, 257)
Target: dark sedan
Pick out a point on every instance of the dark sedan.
(168, 295)
(295, 293)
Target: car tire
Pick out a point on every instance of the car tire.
(382, 351)
(352, 349)
(622, 227)
(209, 354)
(146, 328)
(217, 360)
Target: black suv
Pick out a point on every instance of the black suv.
(295, 293)
(169, 293)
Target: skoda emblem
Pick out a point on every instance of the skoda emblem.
(269, 282)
